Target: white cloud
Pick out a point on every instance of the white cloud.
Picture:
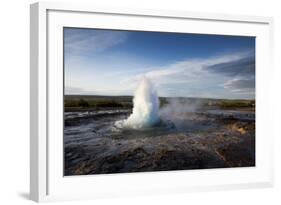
(243, 86)
(191, 77)
(187, 70)
(91, 41)
(240, 83)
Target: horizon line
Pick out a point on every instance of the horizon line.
(159, 97)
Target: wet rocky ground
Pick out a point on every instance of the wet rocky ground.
(196, 140)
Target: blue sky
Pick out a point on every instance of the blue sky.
(107, 62)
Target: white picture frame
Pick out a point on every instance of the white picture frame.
(47, 182)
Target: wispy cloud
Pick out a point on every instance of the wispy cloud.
(73, 90)
(241, 85)
(230, 76)
(84, 41)
(195, 76)
(107, 62)
(242, 67)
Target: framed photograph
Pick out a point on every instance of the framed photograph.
(127, 102)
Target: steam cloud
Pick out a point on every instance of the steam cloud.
(177, 107)
(146, 107)
(146, 112)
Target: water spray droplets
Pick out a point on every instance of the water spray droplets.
(146, 107)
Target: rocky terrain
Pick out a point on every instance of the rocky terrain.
(197, 140)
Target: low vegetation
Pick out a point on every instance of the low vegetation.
(237, 104)
(77, 102)
(97, 102)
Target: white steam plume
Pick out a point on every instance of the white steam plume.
(176, 107)
(146, 106)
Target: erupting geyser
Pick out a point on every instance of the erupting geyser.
(146, 107)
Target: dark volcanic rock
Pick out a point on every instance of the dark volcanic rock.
(207, 141)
